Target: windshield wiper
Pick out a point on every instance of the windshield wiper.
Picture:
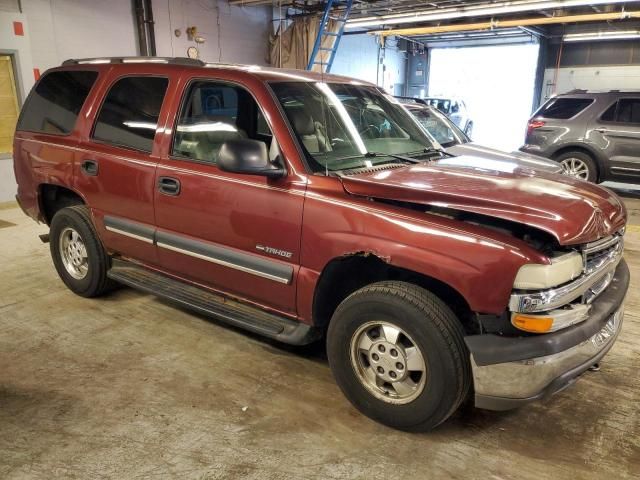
(392, 155)
(441, 151)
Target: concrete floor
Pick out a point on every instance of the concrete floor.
(130, 387)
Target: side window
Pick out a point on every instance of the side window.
(211, 114)
(610, 114)
(129, 114)
(54, 104)
(629, 110)
(564, 108)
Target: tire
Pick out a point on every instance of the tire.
(82, 265)
(469, 129)
(576, 161)
(426, 323)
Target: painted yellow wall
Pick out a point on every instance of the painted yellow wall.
(8, 104)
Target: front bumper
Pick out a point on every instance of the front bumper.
(511, 371)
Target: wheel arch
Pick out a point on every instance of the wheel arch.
(54, 197)
(344, 275)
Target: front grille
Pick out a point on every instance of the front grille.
(596, 254)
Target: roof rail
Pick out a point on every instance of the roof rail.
(187, 62)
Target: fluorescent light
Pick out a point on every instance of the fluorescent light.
(608, 35)
(497, 8)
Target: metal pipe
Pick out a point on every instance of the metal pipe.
(145, 30)
(492, 24)
(150, 29)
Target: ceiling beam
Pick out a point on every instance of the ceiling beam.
(524, 22)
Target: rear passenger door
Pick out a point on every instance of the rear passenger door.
(619, 128)
(239, 234)
(116, 168)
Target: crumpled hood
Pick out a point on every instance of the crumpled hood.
(476, 155)
(571, 210)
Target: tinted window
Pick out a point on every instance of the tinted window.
(54, 104)
(610, 114)
(213, 113)
(563, 108)
(129, 114)
(629, 111)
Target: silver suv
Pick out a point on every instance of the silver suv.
(595, 136)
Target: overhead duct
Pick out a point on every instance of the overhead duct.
(494, 23)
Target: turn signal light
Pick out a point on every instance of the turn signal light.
(533, 124)
(532, 324)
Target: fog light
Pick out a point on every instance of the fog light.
(532, 324)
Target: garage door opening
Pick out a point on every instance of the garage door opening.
(497, 85)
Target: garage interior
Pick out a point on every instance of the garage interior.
(129, 386)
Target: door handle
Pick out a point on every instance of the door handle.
(602, 130)
(90, 168)
(169, 186)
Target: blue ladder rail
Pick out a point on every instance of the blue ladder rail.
(323, 33)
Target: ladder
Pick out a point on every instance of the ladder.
(324, 33)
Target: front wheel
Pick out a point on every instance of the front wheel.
(469, 129)
(398, 354)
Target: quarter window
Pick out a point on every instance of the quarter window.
(564, 108)
(129, 115)
(211, 114)
(54, 104)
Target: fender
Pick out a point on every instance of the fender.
(478, 263)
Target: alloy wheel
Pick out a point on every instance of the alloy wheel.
(574, 167)
(388, 362)
(73, 253)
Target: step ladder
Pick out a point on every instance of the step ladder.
(324, 33)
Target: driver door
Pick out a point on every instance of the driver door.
(238, 234)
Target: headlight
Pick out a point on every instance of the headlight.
(563, 269)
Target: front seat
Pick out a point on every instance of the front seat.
(310, 132)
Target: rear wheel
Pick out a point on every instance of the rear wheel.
(398, 354)
(578, 165)
(78, 255)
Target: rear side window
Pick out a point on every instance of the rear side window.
(623, 111)
(129, 115)
(54, 104)
(629, 111)
(563, 108)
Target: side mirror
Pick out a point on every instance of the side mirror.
(249, 157)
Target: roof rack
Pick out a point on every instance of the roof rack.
(413, 99)
(188, 62)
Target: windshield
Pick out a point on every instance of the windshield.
(439, 126)
(344, 126)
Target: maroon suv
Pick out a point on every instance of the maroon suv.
(304, 206)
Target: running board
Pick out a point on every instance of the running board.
(212, 305)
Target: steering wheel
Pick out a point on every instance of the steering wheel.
(370, 127)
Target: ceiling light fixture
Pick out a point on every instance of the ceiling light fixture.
(608, 35)
(498, 8)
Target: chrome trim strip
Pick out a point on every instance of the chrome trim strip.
(129, 234)
(544, 300)
(626, 169)
(224, 263)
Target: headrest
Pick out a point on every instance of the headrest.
(302, 121)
